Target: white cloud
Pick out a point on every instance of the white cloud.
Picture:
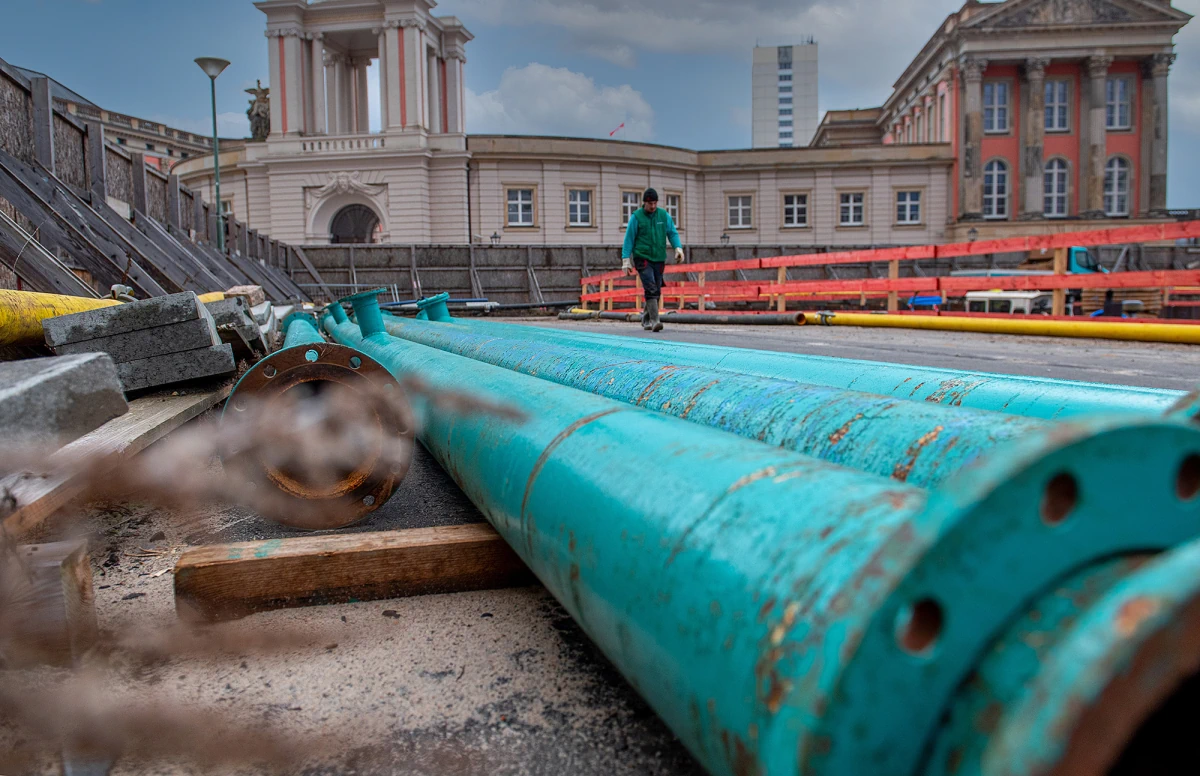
(538, 99)
(865, 44)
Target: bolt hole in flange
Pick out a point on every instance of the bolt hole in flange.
(269, 371)
(368, 500)
(355, 362)
(1187, 481)
(919, 627)
(311, 355)
(1060, 498)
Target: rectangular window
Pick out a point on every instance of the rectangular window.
(785, 143)
(672, 205)
(942, 114)
(785, 123)
(795, 210)
(579, 207)
(1057, 107)
(630, 202)
(785, 77)
(785, 88)
(520, 207)
(850, 210)
(785, 101)
(226, 206)
(995, 106)
(785, 111)
(739, 212)
(149, 146)
(920, 125)
(1118, 110)
(908, 207)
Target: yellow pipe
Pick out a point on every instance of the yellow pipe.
(1138, 332)
(22, 313)
(211, 296)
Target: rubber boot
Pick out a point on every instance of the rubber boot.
(652, 315)
(646, 315)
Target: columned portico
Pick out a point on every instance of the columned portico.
(1095, 139)
(1157, 68)
(972, 168)
(1034, 134)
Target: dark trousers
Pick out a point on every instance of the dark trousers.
(651, 273)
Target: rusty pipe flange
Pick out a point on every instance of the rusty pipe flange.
(350, 488)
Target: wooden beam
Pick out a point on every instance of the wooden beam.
(893, 300)
(316, 276)
(137, 167)
(174, 197)
(97, 173)
(43, 122)
(149, 419)
(55, 622)
(1059, 295)
(228, 581)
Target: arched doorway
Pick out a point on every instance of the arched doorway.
(354, 224)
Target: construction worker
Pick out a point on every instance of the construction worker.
(645, 250)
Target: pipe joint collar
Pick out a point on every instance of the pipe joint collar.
(366, 311)
(434, 308)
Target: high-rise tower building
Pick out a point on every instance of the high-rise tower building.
(784, 95)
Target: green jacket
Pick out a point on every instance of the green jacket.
(646, 236)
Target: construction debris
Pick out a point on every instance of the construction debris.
(236, 327)
(58, 626)
(47, 402)
(253, 295)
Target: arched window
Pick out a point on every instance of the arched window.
(1054, 189)
(1116, 187)
(995, 189)
(356, 224)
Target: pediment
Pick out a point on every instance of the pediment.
(1054, 13)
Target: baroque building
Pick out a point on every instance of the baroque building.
(1021, 116)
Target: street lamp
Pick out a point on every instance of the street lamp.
(724, 238)
(972, 234)
(212, 68)
(495, 238)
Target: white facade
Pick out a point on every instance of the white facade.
(783, 88)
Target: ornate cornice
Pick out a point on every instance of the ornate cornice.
(972, 67)
(1035, 68)
(1097, 66)
(285, 33)
(1159, 65)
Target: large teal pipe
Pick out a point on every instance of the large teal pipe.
(915, 442)
(1083, 682)
(783, 614)
(1034, 397)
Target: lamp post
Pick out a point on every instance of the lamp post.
(972, 234)
(212, 68)
(724, 238)
(495, 238)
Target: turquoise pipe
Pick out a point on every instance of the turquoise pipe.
(300, 329)
(1068, 686)
(915, 442)
(784, 614)
(1035, 397)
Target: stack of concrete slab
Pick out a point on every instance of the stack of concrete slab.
(48, 402)
(236, 327)
(268, 324)
(154, 342)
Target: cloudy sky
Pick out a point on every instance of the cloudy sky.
(673, 71)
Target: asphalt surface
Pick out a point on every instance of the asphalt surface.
(1152, 365)
(490, 682)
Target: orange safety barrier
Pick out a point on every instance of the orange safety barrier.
(616, 287)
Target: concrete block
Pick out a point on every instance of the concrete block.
(47, 402)
(253, 295)
(260, 313)
(147, 343)
(110, 321)
(236, 326)
(177, 367)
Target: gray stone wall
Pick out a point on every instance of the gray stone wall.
(16, 119)
(69, 149)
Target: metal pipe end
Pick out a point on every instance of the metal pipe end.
(337, 311)
(307, 315)
(367, 314)
(434, 308)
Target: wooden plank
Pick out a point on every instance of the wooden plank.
(1058, 305)
(96, 169)
(170, 273)
(223, 582)
(47, 203)
(284, 281)
(149, 419)
(316, 276)
(54, 622)
(207, 277)
(207, 258)
(43, 122)
(138, 170)
(893, 301)
(26, 257)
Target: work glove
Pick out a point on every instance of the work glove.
(679, 255)
(627, 266)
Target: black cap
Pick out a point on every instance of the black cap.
(650, 195)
